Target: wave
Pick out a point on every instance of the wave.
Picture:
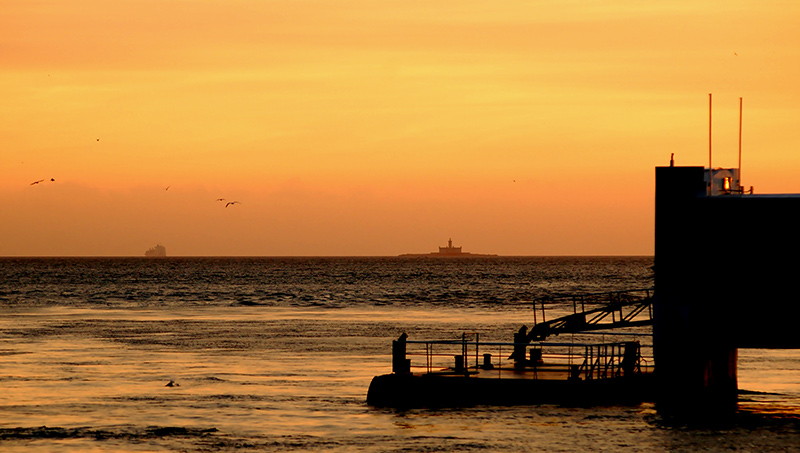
(120, 432)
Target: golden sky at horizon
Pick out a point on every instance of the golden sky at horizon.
(378, 127)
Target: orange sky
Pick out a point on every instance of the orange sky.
(378, 127)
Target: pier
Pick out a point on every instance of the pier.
(529, 370)
(725, 265)
(437, 373)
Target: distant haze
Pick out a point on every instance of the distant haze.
(373, 127)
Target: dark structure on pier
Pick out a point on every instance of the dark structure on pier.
(537, 370)
(725, 270)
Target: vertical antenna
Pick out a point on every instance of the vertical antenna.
(710, 168)
(740, 143)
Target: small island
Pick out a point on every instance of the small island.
(448, 251)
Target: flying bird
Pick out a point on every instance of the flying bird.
(231, 202)
(220, 199)
(37, 182)
(167, 188)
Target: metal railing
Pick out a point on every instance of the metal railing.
(543, 360)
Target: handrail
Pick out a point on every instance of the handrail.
(596, 361)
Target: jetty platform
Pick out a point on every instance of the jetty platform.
(550, 372)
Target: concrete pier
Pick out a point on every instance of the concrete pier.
(726, 263)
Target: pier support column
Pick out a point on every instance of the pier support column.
(696, 379)
(693, 345)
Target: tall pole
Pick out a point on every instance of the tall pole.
(740, 142)
(710, 168)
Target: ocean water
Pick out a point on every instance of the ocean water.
(275, 354)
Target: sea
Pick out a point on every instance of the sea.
(276, 354)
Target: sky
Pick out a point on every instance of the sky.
(378, 127)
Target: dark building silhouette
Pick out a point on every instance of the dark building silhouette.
(726, 263)
(449, 251)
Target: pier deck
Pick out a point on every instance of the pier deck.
(561, 373)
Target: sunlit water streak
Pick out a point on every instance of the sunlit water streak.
(277, 354)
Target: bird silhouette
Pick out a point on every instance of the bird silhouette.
(37, 182)
(220, 199)
(230, 203)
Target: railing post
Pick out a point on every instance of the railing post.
(477, 347)
(587, 359)
(429, 356)
(499, 361)
(544, 313)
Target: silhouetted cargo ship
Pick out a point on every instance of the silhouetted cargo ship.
(157, 251)
(448, 251)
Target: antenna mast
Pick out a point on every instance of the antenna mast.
(710, 168)
(740, 143)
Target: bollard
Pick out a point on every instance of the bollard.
(574, 373)
(536, 357)
(487, 362)
(459, 366)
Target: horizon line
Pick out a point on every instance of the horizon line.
(337, 256)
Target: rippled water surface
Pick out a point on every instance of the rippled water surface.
(271, 354)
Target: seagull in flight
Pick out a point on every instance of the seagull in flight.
(231, 202)
(37, 182)
(220, 199)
